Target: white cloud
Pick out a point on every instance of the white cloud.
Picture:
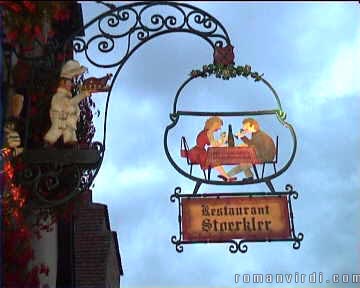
(135, 176)
(327, 18)
(111, 176)
(327, 57)
(340, 76)
(320, 87)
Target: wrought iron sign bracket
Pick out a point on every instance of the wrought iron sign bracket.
(49, 170)
(142, 22)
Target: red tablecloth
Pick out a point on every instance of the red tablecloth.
(230, 156)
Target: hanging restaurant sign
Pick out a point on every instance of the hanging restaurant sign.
(235, 218)
(236, 156)
(239, 217)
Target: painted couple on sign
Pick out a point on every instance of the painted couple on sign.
(261, 141)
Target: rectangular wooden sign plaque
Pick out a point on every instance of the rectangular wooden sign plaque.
(242, 217)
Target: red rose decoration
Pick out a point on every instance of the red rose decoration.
(27, 28)
(31, 7)
(12, 36)
(61, 14)
(11, 6)
(38, 33)
(224, 55)
(44, 269)
(33, 278)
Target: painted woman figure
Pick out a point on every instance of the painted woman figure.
(198, 153)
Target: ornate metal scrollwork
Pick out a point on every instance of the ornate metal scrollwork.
(178, 244)
(177, 192)
(297, 240)
(134, 23)
(233, 247)
(139, 22)
(57, 176)
(242, 247)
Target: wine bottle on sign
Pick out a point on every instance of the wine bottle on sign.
(231, 142)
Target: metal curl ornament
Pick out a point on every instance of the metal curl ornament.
(114, 20)
(177, 192)
(243, 248)
(297, 240)
(125, 15)
(79, 45)
(233, 247)
(203, 21)
(142, 35)
(178, 244)
(170, 22)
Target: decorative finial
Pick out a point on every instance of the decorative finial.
(224, 55)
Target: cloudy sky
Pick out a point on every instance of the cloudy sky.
(310, 52)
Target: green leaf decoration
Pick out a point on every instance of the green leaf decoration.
(281, 115)
(226, 72)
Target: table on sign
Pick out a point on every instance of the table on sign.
(217, 156)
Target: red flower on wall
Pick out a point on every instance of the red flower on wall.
(44, 269)
(33, 278)
(13, 6)
(38, 33)
(28, 25)
(61, 14)
(27, 28)
(12, 36)
(18, 15)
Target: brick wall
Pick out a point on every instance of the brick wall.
(97, 261)
(112, 271)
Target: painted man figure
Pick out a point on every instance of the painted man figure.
(64, 111)
(262, 142)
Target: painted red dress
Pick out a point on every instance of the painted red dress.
(198, 154)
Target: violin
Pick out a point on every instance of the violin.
(94, 84)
